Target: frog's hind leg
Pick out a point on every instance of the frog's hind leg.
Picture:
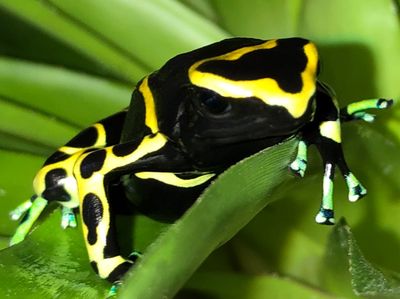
(31, 209)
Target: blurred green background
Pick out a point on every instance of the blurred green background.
(65, 64)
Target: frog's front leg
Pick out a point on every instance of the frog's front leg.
(330, 149)
(299, 165)
(93, 172)
(357, 110)
(31, 209)
(53, 182)
(325, 133)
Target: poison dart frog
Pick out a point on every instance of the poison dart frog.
(198, 114)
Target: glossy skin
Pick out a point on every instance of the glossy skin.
(201, 112)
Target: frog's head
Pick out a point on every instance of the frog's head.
(235, 94)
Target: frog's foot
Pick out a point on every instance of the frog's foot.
(68, 218)
(113, 290)
(299, 165)
(326, 213)
(367, 117)
(17, 213)
(356, 190)
(32, 212)
(356, 111)
(134, 256)
(384, 103)
(325, 216)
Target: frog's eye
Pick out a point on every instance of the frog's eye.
(213, 102)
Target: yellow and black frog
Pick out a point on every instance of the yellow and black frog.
(200, 113)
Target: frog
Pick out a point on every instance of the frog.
(200, 113)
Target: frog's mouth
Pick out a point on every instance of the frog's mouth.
(247, 133)
(207, 153)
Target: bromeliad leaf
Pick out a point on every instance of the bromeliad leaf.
(347, 265)
(220, 212)
(239, 286)
(51, 263)
(120, 46)
(60, 93)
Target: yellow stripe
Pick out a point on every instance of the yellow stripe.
(69, 150)
(266, 89)
(148, 145)
(101, 135)
(151, 117)
(106, 266)
(331, 130)
(171, 179)
(100, 141)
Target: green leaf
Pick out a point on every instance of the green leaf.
(50, 263)
(43, 15)
(155, 17)
(263, 19)
(16, 34)
(238, 286)
(346, 264)
(52, 131)
(74, 98)
(223, 209)
(122, 45)
(53, 101)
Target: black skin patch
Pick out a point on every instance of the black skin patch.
(54, 176)
(92, 162)
(188, 175)
(283, 63)
(54, 190)
(111, 249)
(28, 213)
(146, 194)
(86, 138)
(125, 149)
(113, 127)
(325, 108)
(94, 266)
(25, 217)
(119, 271)
(135, 118)
(92, 213)
(56, 157)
